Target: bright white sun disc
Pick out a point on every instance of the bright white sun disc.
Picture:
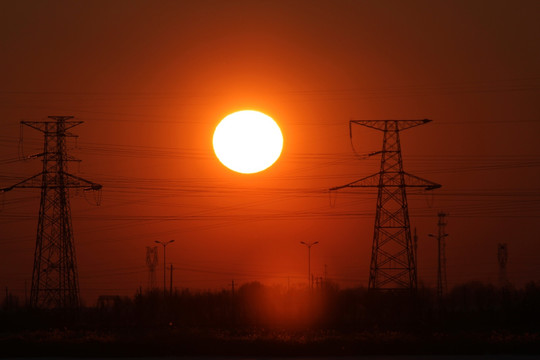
(248, 141)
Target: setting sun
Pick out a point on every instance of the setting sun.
(248, 141)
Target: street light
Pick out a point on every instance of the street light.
(164, 243)
(309, 245)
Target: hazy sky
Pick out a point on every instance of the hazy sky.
(152, 79)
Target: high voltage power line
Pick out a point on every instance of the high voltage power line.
(491, 203)
(529, 83)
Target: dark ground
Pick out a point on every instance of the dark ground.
(174, 342)
(473, 319)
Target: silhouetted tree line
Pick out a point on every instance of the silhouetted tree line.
(468, 307)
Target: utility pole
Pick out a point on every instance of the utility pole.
(55, 282)
(393, 266)
(441, 259)
(164, 243)
(309, 245)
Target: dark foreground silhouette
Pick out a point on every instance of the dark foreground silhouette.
(473, 318)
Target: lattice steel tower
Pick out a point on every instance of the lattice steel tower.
(393, 264)
(55, 282)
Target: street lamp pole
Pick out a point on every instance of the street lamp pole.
(309, 245)
(164, 243)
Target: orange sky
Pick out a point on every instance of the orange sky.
(151, 80)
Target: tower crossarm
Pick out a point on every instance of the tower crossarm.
(416, 181)
(368, 181)
(70, 181)
(390, 180)
(31, 182)
(49, 126)
(79, 182)
(385, 125)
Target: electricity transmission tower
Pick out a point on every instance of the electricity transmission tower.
(151, 263)
(393, 263)
(502, 256)
(442, 284)
(55, 282)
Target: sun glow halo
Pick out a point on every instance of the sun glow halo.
(247, 141)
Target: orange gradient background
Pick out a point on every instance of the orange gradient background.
(151, 81)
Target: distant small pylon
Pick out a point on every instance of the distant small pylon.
(502, 257)
(151, 263)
